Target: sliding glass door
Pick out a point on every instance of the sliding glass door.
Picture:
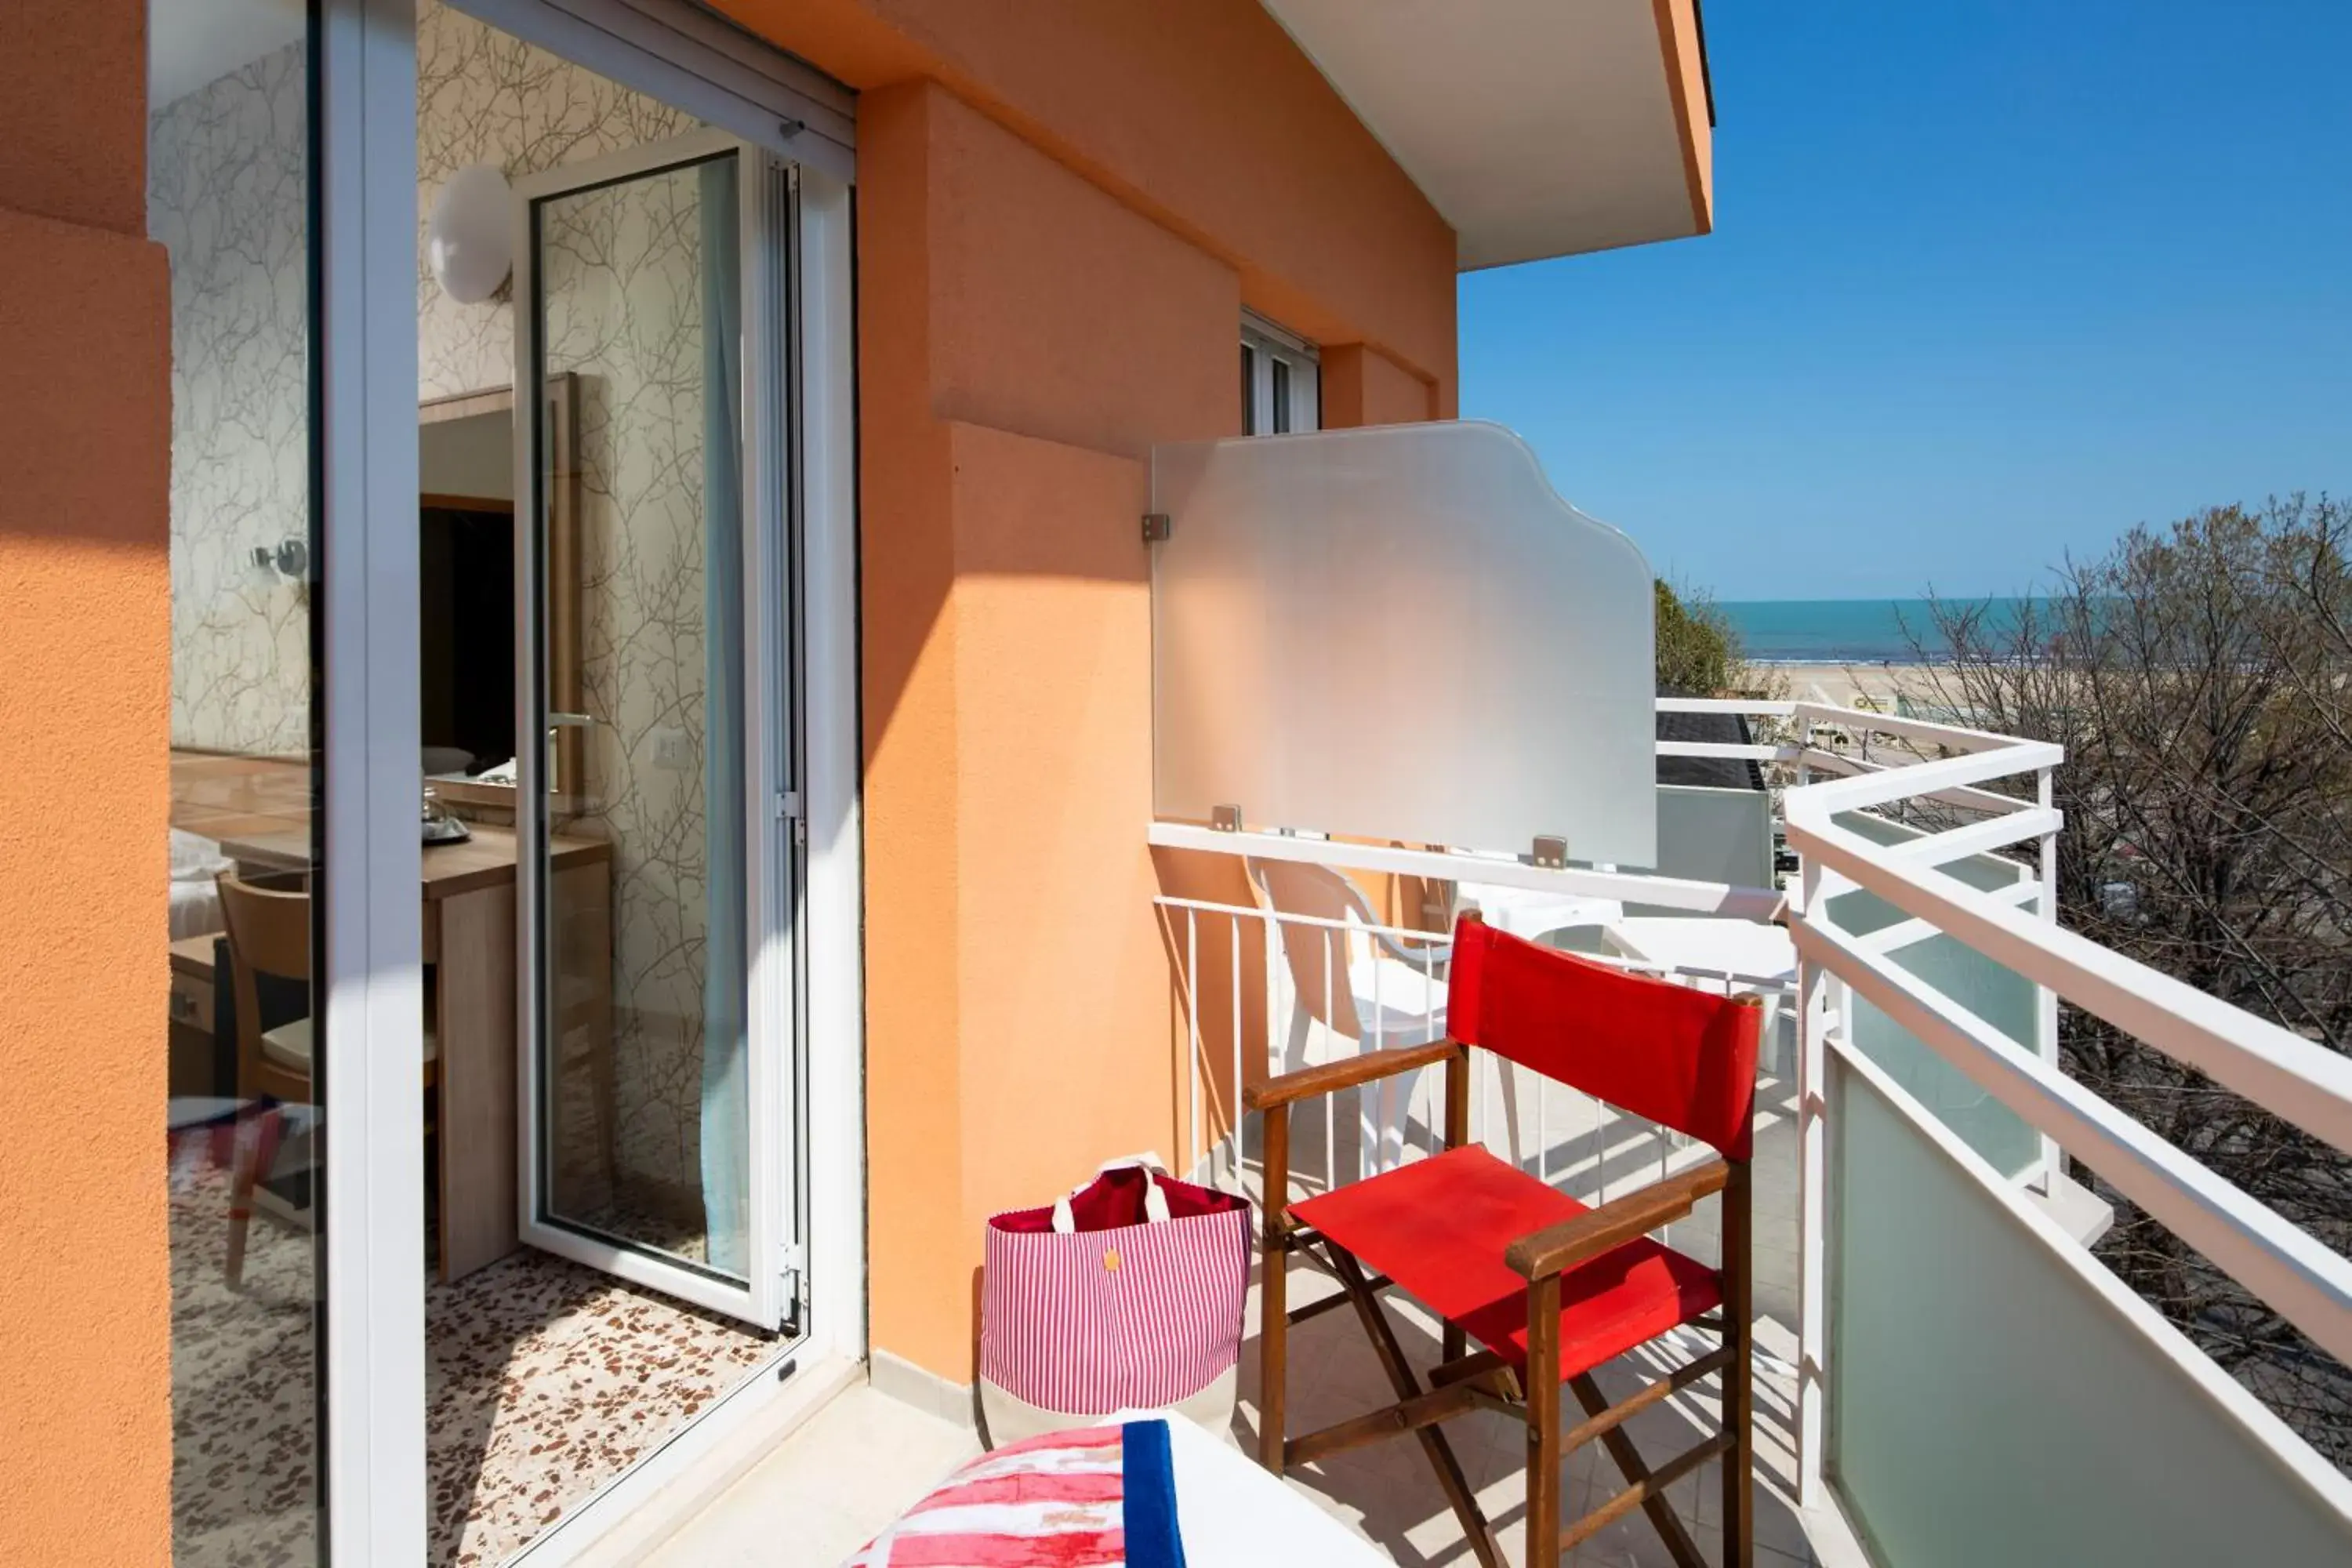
(655, 816)
(281, 183)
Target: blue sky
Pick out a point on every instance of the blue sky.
(1988, 282)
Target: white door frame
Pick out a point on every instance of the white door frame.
(679, 1476)
(679, 52)
(373, 1444)
(833, 911)
(766, 477)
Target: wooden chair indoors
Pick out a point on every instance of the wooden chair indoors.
(269, 931)
(1550, 1289)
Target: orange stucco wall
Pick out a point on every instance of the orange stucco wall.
(1363, 385)
(1025, 338)
(1061, 214)
(1204, 116)
(85, 1311)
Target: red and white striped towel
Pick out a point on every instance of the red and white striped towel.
(1098, 1497)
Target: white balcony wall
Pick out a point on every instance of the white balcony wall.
(1997, 1397)
(1400, 634)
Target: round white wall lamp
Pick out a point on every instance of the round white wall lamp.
(470, 237)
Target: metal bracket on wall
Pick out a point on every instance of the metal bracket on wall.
(1225, 818)
(1156, 527)
(1551, 853)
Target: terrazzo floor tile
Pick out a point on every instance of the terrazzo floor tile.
(543, 1381)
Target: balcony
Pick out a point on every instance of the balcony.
(1946, 1372)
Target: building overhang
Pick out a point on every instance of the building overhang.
(1535, 128)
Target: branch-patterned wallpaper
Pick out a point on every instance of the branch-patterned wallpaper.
(226, 197)
(227, 173)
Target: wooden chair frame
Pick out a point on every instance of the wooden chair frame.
(1465, 1380)
(268, 932)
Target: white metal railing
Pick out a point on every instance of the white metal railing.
(2293, 1272)
(1496, 870)
(1261, 990)
(1849, 763)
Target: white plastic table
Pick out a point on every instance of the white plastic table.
(1742, 953)
(1741, 949)
(1531, 913)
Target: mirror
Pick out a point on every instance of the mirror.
(469, 546)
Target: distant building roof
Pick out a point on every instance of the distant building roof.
(1706, 772)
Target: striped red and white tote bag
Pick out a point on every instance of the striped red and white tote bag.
(1126, 1295)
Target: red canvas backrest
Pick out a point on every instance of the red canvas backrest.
(1677, 1057)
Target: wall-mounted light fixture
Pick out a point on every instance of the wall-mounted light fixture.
(288, 558)
(470, 237)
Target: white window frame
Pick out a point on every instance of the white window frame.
(1280, 362)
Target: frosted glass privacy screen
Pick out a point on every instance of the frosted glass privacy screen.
(1404, 633)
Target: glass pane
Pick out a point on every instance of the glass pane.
(2000, 996)
(1710, 835)
(1346, 622)
(1281, 369)
(228, 168)
(1249, 390)
(1989, 1405)
(646, 1123)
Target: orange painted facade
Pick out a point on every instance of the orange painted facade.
(1029, 327)
(85, 636)
(1204, 117)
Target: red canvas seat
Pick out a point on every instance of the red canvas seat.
(1550, 1287)
(1438, 1227)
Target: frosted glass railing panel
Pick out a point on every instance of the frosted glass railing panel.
(1707, 835)
(1400, 634)
(2000, 996)
(1990, 1402)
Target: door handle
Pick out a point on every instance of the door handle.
(570, 721)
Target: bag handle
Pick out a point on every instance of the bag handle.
(1155, 1202)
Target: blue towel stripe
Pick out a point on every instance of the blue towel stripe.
(1148, 1472)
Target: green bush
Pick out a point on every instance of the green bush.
(1698, 652)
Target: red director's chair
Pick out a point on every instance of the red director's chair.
(1547, 1287)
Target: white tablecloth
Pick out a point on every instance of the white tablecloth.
(1235, 1515)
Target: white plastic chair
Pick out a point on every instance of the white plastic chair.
(1355, 979)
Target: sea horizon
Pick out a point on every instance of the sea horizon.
(1853, 631)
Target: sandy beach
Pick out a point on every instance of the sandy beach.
(1842, 685)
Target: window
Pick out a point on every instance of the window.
(1281, 383)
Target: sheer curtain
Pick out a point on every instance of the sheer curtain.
(726, 1113)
